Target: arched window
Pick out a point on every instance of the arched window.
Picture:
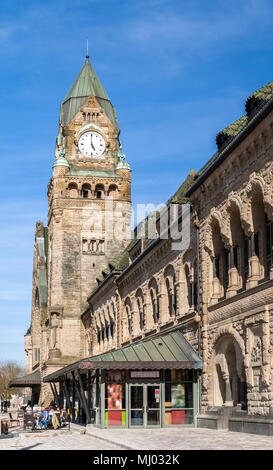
(99, 191)
(37, 302)
(154, 300)
(188, 286)
(171, 291)
(86, 190)
(73, 190)
(112, 329)
(140, 307)
(106, 331)
(112, 192)
(128, 309)
(269, 245)
(99, 336)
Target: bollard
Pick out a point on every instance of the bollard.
(4, 426)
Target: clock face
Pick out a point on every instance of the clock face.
(91, 144)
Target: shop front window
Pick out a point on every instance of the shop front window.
(178, 397)
(115, 399)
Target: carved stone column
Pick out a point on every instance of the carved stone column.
(228, 398)
(254, 264)
(232, 273)
(216, 287)
(163, 304)
(149, 318)
(136, 321)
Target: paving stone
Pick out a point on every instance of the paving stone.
(156, 439)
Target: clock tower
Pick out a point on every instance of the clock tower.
(89, 212)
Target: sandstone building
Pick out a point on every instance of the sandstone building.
(91, 184)
(136, 332)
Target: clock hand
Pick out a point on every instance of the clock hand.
(92, 143)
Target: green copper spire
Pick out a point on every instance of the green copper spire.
(86, 83)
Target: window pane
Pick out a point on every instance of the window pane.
(153, 417)
(136, 396)
(136, 418)
(178, 395)
(153, 396)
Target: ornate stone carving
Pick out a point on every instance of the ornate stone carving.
(256, 353)
(57, 214)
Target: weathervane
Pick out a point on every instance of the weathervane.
(87, 56)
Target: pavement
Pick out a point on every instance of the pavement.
(55, 440)
(144, 439)
(182, 439)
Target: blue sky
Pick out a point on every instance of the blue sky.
(177, 72)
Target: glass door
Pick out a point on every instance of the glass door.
(145, 405)
(153, 405)
(137, 405)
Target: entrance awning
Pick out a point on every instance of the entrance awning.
(29, 380)
(169, 351)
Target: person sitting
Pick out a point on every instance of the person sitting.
(44, 418)
(55, 419)
(61, 416)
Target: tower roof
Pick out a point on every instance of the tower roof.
(86, 83)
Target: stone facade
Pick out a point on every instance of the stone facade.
(234, 205)
(153, 294)
(87, 198)
(229, 321)
(103, 294)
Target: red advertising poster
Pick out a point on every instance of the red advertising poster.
(114, 396)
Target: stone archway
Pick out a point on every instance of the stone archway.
(227, 373)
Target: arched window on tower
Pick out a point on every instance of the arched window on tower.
(73, 190)
(113, 191)
(86, 190)
(99, 191)
(37, 301)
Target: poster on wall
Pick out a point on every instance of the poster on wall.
(178, 396)
(114, 396)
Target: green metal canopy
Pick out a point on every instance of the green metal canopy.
(169, 351)
(86, 83)
(29, 380)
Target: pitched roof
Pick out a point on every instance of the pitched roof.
(27, 380)
(179, 195)
(169, 351)
(86, 84)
